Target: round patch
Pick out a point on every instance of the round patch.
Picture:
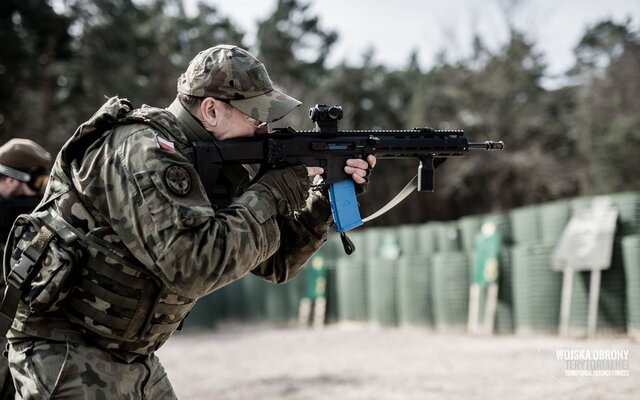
(178, 180)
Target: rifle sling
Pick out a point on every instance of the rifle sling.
(408, 189)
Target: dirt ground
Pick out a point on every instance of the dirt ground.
(360, 362)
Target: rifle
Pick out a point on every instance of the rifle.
(328, 147)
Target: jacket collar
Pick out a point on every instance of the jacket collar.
(191, 127)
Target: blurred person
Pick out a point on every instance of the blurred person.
(126, 238)
(24, 172)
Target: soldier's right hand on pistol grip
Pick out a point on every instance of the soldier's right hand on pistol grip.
(289, 186)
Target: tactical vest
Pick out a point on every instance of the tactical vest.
(67, 259)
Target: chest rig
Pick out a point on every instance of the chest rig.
(64, 257)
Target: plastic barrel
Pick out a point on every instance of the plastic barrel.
(416, 239)
(469, 227)
(381, 289)
(450, 288)
(413, 291)
(525, 225)
(447, 236)
(554, 216)
(351, 282)
(631, 254)
(536, 290)
(628, 204)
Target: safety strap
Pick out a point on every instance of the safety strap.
(406, 191)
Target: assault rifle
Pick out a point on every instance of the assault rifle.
(330, 148)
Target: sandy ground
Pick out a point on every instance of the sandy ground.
(360, 362)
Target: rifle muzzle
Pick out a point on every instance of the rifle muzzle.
(488, 145)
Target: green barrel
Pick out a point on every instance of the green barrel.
(447, 236)
(554, 216)
(381, 289)
(525, 225)
(203, 315)
(253, 289)
(631, 254)
(372, 239)
(469, 227)
(277, 303)
(580, 203)
(628, 203)
(351, 282)
(413, 291)
(504, 311)
(536, 290)
(416, 239)
(450, 289)
(427, 239)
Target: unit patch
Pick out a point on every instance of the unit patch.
(178, 180)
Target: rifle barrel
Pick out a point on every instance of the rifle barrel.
(488, 145)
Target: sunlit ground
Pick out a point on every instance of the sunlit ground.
(359, 362)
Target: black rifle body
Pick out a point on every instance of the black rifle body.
(330, 150)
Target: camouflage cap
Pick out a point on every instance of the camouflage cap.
(230, 73)
(19, 157)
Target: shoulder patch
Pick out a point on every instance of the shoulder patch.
(178, 180)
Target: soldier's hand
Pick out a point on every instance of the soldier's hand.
(289, 186)
(360, 170)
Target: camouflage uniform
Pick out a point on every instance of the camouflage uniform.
(153, 243)
(28, 162)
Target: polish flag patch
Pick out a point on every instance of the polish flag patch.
(165, 144)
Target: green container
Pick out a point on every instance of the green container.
(628, 203)
(428, 243)
(536, 290)
(450, 289)
(554, 217)
(631, 254)
(201, 316)
(277, 303)
(447, 236)
(504, 312)
(351, 282)
(469, 227)
(253, 290)
(416, 239)
(525, 225)
(381, 289)
(413, 291)
(373, 238)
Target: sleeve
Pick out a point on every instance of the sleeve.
(158, 207)
(300, 237)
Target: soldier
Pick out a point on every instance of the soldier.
(126, 238)
(24, 171)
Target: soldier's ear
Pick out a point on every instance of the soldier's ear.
(209, 111)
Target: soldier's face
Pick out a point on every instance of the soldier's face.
(9, 187)
(226, 122)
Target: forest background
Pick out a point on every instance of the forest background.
(59, 59)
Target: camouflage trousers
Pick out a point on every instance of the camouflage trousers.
(44, 369)
(7, 392)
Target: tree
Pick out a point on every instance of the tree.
(294, 47)
(35, 44)
(608, 116)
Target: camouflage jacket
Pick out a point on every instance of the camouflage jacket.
(133, 187)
